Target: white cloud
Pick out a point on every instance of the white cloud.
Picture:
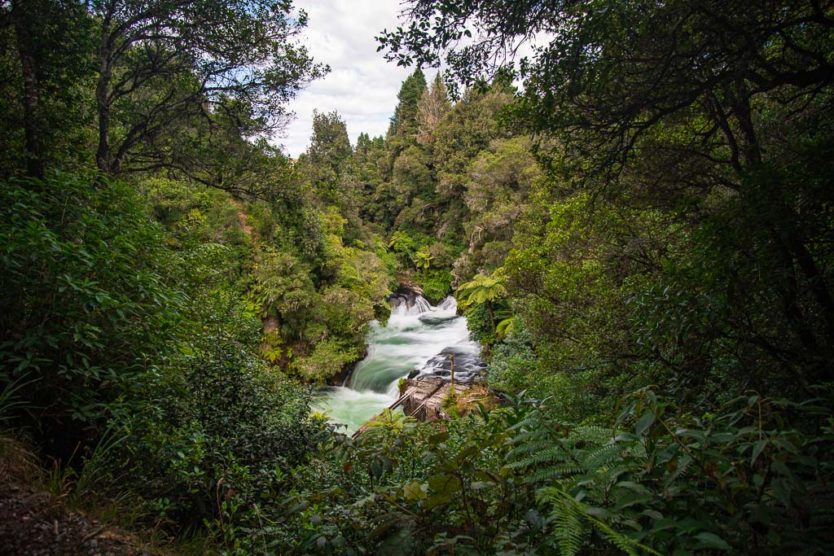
(361, 86)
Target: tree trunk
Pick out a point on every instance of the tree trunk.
(103, 151)
(781, 222)
(103, 156)
(31, 96)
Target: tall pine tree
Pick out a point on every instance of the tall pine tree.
(404, 122)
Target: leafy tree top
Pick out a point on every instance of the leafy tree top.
(618, 68)
(166, 61)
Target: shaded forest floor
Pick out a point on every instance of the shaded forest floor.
(32, 522)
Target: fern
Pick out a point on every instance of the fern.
(587, 459)
(624, 543)
(522, 438)
(602, 456)
(529, 448)
(568, 530)
(571, 520)
(553, 472)
(683, 464)
(550, 454)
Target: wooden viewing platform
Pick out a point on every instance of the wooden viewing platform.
(425, 399)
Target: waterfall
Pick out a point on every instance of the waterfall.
(448, 304)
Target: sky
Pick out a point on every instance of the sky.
(361, 85)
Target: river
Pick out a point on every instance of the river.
(416, 336)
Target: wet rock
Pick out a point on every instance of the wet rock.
(468, 366)
(408, 300)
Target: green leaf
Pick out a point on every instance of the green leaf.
(438, 438)
(444, 484)
(713, 541)
(644, 422)
(757, 450)
(414, 491)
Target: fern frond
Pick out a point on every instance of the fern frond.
(568, 529)
(602, 456)
(529, 448)
(569, 515)
(624, 543)
(550, 454)
(552, 472)
(527, 435)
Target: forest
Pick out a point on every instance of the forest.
(632, 202)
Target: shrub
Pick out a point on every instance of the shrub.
(86, 304)
(518, 480)
(436, 284)
(225, 432)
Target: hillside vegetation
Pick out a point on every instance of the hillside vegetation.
(636, 220)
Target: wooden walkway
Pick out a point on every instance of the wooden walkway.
(424, 398)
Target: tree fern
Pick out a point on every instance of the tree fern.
(481, 289)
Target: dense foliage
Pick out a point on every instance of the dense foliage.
(636, 219)
(521, 480)
(84, 283)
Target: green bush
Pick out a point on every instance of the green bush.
(225, 432)
(86, 306)
(328, 359)
(520, 480)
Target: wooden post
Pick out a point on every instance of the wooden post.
(452, 372)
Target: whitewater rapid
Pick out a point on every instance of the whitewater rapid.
(413, 335)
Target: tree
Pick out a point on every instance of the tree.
(621, 68)
(701, 86)
(166, 61)
(47, 50)
(466, 130)
(433, 105)
(404, 121)
(365, 175)
(329, 143)
(482, 290)
(498, 183)
(31, 93)
(328, 152)
(216, 151)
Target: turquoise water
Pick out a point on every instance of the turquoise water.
(405, 343)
